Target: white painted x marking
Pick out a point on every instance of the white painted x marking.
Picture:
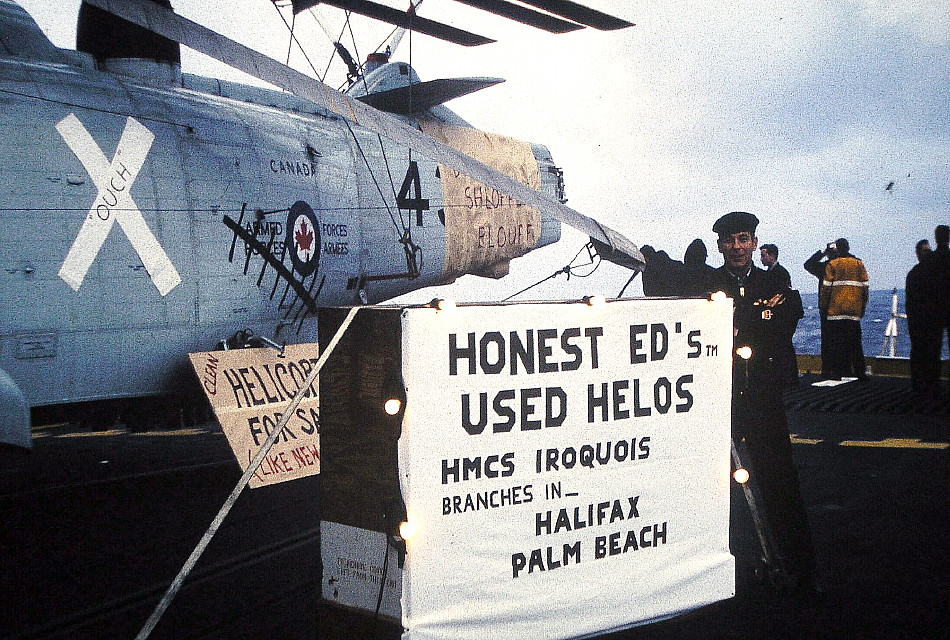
(114, 204)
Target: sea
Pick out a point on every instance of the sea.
(807, 337)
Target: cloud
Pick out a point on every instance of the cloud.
(790, 83)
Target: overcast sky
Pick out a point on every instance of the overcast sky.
(802, 114)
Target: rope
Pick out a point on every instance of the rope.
(236, 492)
(373, 175)
(290, 40)
(293, 39)
(406, 229)
(403, 228)
(95, 109)
(567, 269)
(635, 274)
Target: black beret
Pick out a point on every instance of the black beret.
(735, 222)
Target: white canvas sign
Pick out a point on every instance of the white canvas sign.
(566, 467)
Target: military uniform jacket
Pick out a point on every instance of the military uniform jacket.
(766, 329)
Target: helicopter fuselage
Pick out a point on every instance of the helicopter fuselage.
(116, 264)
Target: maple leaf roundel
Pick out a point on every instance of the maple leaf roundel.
(303, 238)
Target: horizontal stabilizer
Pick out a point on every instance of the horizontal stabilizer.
(425, 95)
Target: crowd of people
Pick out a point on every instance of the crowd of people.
(843, 291)
(843, 296)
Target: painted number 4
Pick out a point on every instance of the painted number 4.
(410, 194)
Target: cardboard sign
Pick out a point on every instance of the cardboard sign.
(248, 390)
(485, 226)
(354, 562)
(566, 467)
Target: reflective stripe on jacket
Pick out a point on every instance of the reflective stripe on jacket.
(844, 290)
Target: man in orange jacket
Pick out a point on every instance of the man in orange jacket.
(843, 298)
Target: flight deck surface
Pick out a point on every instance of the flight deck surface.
(94, 524)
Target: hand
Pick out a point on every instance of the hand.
(775, 300)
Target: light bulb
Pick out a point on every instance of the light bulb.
(392, 406)
(406, 530)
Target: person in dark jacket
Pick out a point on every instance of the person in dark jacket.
(922, 321)
(815, 265)
(765, 316)
(662, 273)
(769, 260)
(697, 271)
(940, 265)
(665, 277)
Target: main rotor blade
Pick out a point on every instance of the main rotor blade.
(162, 21)
(400, 19)
(524, 15)
(580, 13)
(397, 35)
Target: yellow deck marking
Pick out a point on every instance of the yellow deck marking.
(50, 426)
(176, 432)
(896, 443)
(92, 434)
(892, 443)
(121, 432)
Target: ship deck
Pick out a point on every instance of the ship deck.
(875, 395)
(95, 524)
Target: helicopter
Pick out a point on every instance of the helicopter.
(148, 213)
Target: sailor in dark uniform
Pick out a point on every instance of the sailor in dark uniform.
(765, 316)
